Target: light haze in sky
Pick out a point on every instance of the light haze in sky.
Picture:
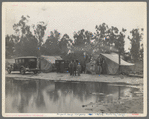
(72, 17)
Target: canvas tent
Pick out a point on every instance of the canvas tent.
(47, 62)
(110, 64)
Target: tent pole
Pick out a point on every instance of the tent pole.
(39, 56)
(119, 92)
(119, 62)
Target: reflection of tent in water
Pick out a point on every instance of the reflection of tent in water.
(47, 62)
(110, 64)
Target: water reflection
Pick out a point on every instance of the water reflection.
(43, 96)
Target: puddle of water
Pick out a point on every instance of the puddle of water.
(44, 96)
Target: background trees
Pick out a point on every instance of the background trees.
(82, 43)
(82, 37)
(136, 49)
(65, 44)
(39, 32)
(51, 46)
(9, 46)
(28, 40)
(26, 43)
(141, 52)
(109, 39)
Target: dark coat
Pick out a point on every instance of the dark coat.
(75, 64)
(78, 67)
(71, 65)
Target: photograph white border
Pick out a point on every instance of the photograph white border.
(4, 5)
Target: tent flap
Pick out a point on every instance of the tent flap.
(112, 67)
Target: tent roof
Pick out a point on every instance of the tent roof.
(51, 58)
(115, 58)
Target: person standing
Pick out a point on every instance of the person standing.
(75, 67)
(100, 65)
(79, 69)
(71, 68)
(77, 61)
(83, 67)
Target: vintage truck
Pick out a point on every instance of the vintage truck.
(24, 64)
(61, 65)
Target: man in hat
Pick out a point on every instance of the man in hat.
(75, 67)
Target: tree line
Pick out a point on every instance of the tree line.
(28, 41)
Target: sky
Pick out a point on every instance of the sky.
(67, 17)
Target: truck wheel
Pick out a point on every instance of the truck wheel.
(9, 71)
(22, 71)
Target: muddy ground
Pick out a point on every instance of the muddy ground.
(83, 77)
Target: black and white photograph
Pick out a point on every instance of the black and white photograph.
(74, 59)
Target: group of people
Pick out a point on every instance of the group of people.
(74, 68)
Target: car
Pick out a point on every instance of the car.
(24, 64)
